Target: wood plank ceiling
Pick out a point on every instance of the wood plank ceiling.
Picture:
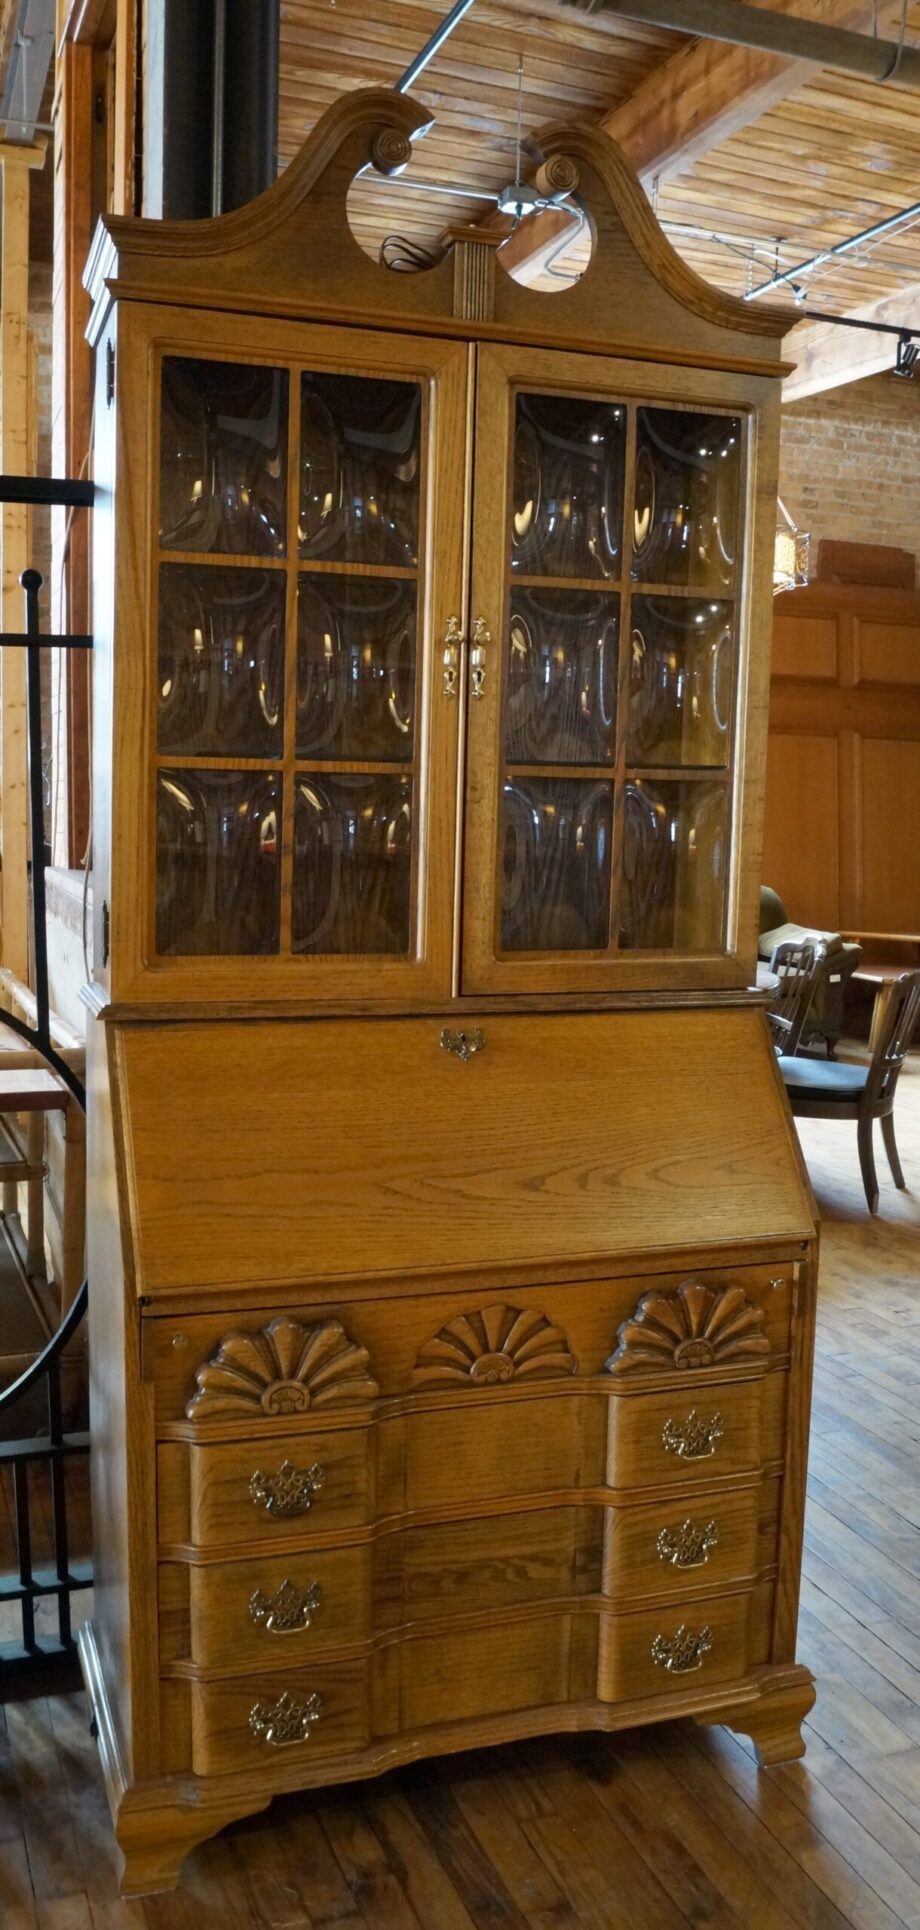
(836, 156)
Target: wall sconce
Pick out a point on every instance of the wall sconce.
(790, 553)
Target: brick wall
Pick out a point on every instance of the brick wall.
(850, 463)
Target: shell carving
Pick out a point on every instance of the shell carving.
(493, 1345)
(284, 1368)
(698, 1326)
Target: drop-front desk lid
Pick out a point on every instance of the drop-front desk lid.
(299, 1149)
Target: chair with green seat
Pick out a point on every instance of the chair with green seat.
(841, 958)
(821, 1090)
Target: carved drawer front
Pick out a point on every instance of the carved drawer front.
(273, 1721)
(693, 1432)
(522, 1664)
(280, 1488)
(664, 1650)
(671, 1548)
(274, 1613)
(497, 1562)
(501, 1446)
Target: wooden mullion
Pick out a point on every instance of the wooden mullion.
(585, 772)
(189, 761)
(677, 773)
(223, 559)
(425, 672)
(590, 585)
(691, 592)
(356, 767)
(288, 785)
(381, 572)
(622, 721)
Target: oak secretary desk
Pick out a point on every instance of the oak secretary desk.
(452, 1261)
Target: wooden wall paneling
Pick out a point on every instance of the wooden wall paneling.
(75, 147)
(16, 164)
(801, 854)
(809, 652)
(890, 835)
(850, 914)
(842, 818)
(126, 137)
(889, 653)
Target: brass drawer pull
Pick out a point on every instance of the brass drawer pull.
(693, 1439)
(286, 1721)
(682, 1652)
(481, 639)
(289, 1492)
(463, 1045)
(288, 1610)
(687, 1546)
(453, 641)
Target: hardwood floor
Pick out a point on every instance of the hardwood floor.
(652, 1831)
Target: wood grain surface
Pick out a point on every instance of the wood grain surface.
(233, 1182)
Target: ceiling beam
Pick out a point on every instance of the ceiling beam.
(688, 105)
(709, 91)
(827, 355)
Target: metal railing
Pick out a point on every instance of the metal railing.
(24, 1663)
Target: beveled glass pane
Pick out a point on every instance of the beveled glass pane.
(223, 457)
(675, 865)
(352, 864)
(218, 869)
(687, 479)
(567, 507)
(681, 676)
(356, 667)
(360, 469)
(221, 661)
(555, 842)
(561, 689)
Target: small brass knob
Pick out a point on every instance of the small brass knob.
(463, 1045)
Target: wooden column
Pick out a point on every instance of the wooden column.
(15, 165)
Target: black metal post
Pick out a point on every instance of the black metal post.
(29, 1659)
(31, 581)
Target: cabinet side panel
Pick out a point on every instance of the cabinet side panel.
(123, 1496)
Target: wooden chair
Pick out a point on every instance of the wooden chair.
(799, 968)
(820, 1089)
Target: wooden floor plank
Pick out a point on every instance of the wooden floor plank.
(844, 1860)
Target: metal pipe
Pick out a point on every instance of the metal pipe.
(788, 275)
(859, 321)
(772, 33)
(219, 106)
(433, 45)
(250, 158)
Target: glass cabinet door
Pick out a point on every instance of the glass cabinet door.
(607, 579)
(305, 747)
